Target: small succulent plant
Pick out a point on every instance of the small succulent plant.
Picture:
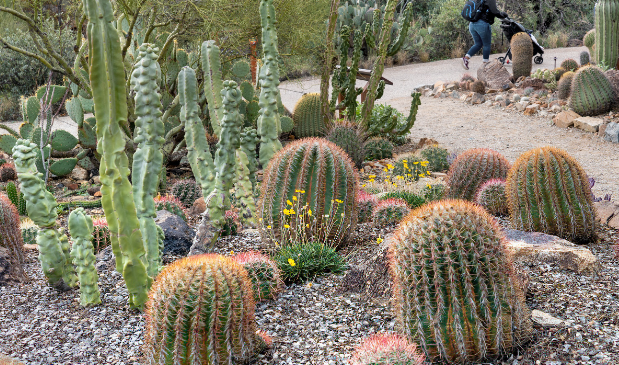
(100, 234)
(171, 204)
(264, 274)
(29, 231)
(365, 203)
(491, 196)
(387, 349)
(390, 211)
(187, 191)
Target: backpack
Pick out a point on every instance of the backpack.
(473, 10)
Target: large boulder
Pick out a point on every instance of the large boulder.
(495, 75)
(178, 234)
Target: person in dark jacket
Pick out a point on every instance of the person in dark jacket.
(482, 32)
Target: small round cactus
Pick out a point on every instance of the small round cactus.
(584, 58)
(366, 203)
(264, 274)
(437, 158)
(29, 231)
(387, 349)
(187, 191)
(7, 172)
(348, 137)
(378, 148)
(565, 85)
(570, 64)
(478, 87)
(558, 72)
(592, 93)
(491, 196)
(390, 211)
(231, 226)
(171, 204)
(10, 237)
(472, 168)
(100, 234)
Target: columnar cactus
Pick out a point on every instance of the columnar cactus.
(592, 93)
(457, 298)
(473, 168)
(348, 137)
(322, 181)
(10, 236)
(365, 205)
(213, 85)
(491, 196)
(82, 252)
(249, 141)
(107, 78)
(307, 117)
(387, 349)
(181, 325)
(17, 198)
(148, 158)
(187, 191)
(100, 234)
(548, 191)
(570, 64)
(243, 189)
(263, 273)
(607, 32)
(389, 211)
(522, 54)
(378, 148)
(565, 85)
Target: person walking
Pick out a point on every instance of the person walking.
(481, 31)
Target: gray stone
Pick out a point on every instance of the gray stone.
(606, 211)
(525, 98)
(588, 124)
(522, 105)
(178, 234)
(499, 98)
(495, 75)
(477, 98)
(79, 173)
(546, 320)
(612, 132)
(515, 98)
(455, 95)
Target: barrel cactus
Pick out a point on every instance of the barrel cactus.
(478, 87)
(589, 41)
(565, 85)
(558, 72)
(10, 237)
(264, 274)
(473, 168)
(100, 234)
(171, 204)
(522, 54)
(365, 205)
(187, 191)
(7, 172)
(387, 349)
(491, 196)
(607, 32)
(389, 211)
(437, 158)
(570, 64)
(592, 93)
(548, 191)
(613, 77)
(181, 327)
(308, 193)
(454, 289)
(378, 148)
(584, 58)
(307, 117)
(348, 137)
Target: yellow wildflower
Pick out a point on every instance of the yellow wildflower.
(300, 191)
(379, 240)
(309, 212)
(292, 263)
(292, 211)
(371, 176)
(429, 186)
(286, 212)
(294, 198)
(289, 202)
(390, 166)
(268, 227)
(385, 169)
(339, 201)
(405, 161)
(286, 226)
(415, 163)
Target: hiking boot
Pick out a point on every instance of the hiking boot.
(465, 63)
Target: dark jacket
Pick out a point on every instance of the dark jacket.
(491, 12)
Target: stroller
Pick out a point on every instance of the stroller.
(511, 27)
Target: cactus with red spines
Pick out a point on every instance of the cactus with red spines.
(389, 211)
(187, 191)
(265, 276)
(491, 196)
(100, 234)
(171, 204)
(201, 311)
(10, 237)
(231, 226)
(548, 191)
(454, 288)
(387, 349)
(366, 203)
(471, 169)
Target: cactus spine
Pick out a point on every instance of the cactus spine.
(187, 191)
(522, 54)
(201, 310)
(213, 85)
(607, 32)
(82, 252)
(548, 191)
(107, 78)
(473, 168)
(148, 158)
(348, 137)
(389, 211)
(592, 93)
(491, 196)
(10, 236)
(458, 298)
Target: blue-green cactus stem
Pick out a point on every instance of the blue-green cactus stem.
(83, 255)
(213, 86)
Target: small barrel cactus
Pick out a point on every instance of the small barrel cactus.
(589, 41)
(471, 169)
(365, 205)
(522, 55)
(592, 93)
(201, 311)
(454, 289)
(100, 234)
(548, 191)
(10, 237)
(348, 137)
(558, 72)
(585, 59)
(29, 231)
(478, 87)
(378, 148)
(570, 64)
(389, 211)
(264, 274)
(613, 77)
(412, 200)
(7, 172)
(491, 196)
(565, 85)
(187, 191)
(437, 158)
(307, 117)
(387, 349)
(231, 226)
(171, 204)
(17, 198)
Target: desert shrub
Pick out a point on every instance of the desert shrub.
(306, 261)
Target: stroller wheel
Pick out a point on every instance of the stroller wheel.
(502, 60)
(538, 60)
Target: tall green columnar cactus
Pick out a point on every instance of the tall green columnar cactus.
(11, 238)
(522, 54)
(473, 168)
(213, 85)
(249, 141)
(269, 100)
(83, 254)
(548, 191)
(327, 65)
(201, 311)
(592, 93)
(107, 78)
(41, 208)
(148, 158)
(345, 77)
(607, 32)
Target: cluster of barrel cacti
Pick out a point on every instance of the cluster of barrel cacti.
(187, 191)
(522, 55)
(471, 169)
(389, 211)
(264, 274)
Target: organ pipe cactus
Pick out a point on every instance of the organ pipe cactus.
(10, 236)
(607, 32)
(201, 311)
(107, 78)
(548, 191)
(472, 168)
(82, 252)
(148, 158)
(457, 298)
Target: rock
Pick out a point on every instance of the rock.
(73, 186)
(611, 133)
(588, 124)
(499, 98)
(371, 276)
(455, 95)
(175, 157)
(79, 173)
(96, 180)
(555, 108)
(105, 260)
(477, 99)
(30, 247)
(535, 247)
(531, 109)
(97, 194)
(546, 320)
(495, 75)
(93, 189)
(516, 98)
(439, 87)
(198, 207)
(437, 175)
(543, 113)
(525, 98)
(606, 211)
(565, 119)
(451, 86)
(537, 84)
(423, 142)
(178, 234)
(184, 162)
(522, 105)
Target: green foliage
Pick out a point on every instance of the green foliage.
(522, 55)
(548, 191)
(389, 123)
(412, 200)
(187, 191)
(263, 273)
(306, 261)
(411, 167)
(592, 93)
(447, 28)
(436, 157)
(348, 137)
(437, 281)
(433, 192)
(473, 168)
(378, 148)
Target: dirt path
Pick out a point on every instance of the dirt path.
(459, 126)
